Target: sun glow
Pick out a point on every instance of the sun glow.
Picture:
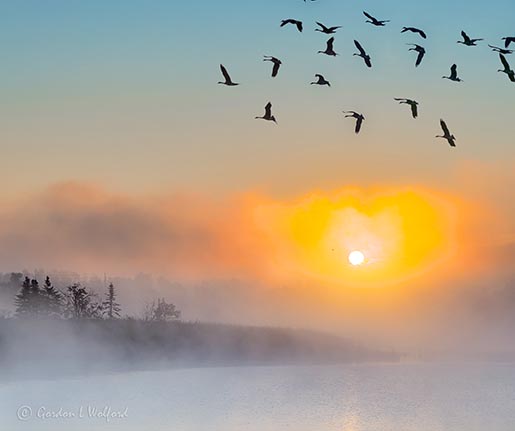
(395, 233)
(356, 258)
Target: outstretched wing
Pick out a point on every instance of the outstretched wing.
(330, 44)
(322, 26)
(445, 128)
(369, 16)
(465, 37)
(422, 33)
(359, 122)
(454, 71)
(414, 110)
(268, 110)
(299, 25)
(360, 48)
(225, 73)
(504, 62)
(420, 57)
(275, 69)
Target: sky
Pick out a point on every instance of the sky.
(122, 154)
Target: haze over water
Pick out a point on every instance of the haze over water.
(407, 397)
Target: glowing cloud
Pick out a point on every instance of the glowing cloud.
(401, 233)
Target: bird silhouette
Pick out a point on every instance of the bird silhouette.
(268, 114)
(359, 119)
(362, 54)
(414, 30)
(329, 50)
(507, 69)
(228, 81)
(508, 40)
(374, 21)
(277, 64)
(320, 80)
(412, 103)
(504, 51)
(467, 40)
(421, 53)
(295, 22)
(454, 74)
(446, 134)
(326, 30)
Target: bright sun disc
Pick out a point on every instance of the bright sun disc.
(356, 258)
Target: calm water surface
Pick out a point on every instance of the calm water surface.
(381, 397)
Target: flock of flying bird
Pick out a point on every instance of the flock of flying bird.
(421, 51)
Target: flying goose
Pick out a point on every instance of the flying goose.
(320, 80)
(295, 22)
(421, 53)
(327, 30)
(507, 69)
(412, 103)
(362, 53)
(414, 30)
(454, 74)
(467, 40)
(277, 64)
(504, 51)
(359, 119)
(374, 21)
(446, 134)
(508, 40)
(228, 81)
(268, 114)
(329, 50)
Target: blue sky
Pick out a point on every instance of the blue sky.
(125, 94)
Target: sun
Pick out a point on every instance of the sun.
(356, 258)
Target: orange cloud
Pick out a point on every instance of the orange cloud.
(403, 232)
(85, 228)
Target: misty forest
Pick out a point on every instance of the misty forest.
(60, 331)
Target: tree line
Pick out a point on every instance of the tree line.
(78, 302)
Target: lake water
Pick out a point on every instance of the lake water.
(380, 397)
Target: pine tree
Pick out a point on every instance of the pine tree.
(23, 299)
(30, 301)
(53, 299)
(37, 300)
(110, 307)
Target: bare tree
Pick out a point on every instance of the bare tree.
(81, 303)
(161, 311)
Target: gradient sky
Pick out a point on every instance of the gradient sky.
(123, 94)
